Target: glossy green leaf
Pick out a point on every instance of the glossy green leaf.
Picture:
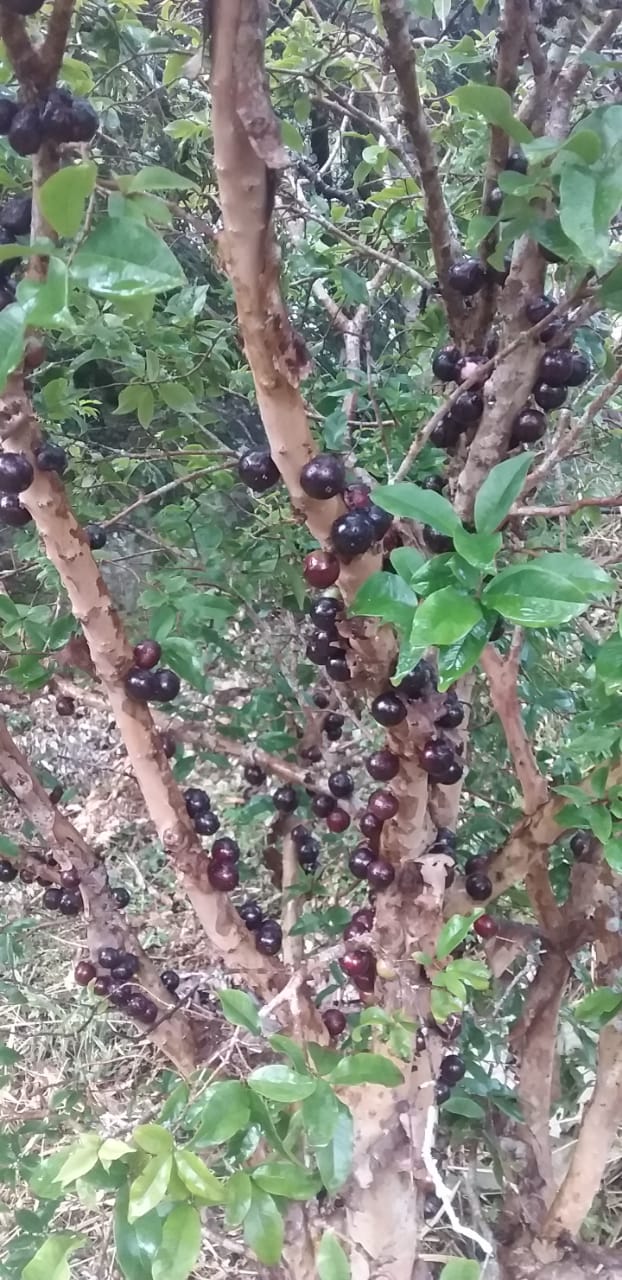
(320, 1114)
(578, 191)
(533, 596)
(334, 1158)
(585, 575)
(50, 1260)
(196, 1176)
(493, 104)
(181, 1244)
(600, 822)
(612, 853)
(63, 197)
(43, 1181)
(12, 335)
(279, 1083)
(123, 258)
(461, 1269)
(113, 1149)
(224, 1112)
(407, 561)
(81, 1158)
(499, 492)
(458, 1105)
(155, 177)
(386, 596)
(239, 1194)
(478, 549)
(153, 1138)
(445, 617)
(45, 302)
(240, 1010)
(453, 932)
(263, 1228)
(331, 1260)
(136, 1244)
(149, 1188)
(599, 1006)
(366, 1068)
(288, 1180)
(456, 659)
(406, 499)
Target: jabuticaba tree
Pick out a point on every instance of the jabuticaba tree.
(412, 573)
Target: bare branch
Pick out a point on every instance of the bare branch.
(502, 684)
(53, 48)
(534, 1039)
(570, 80)
(568, 440)
(567, 508)
(24, 58)
(146, 498)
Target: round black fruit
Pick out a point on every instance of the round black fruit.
(383, 804)
(380, 874)
(268, 937)
(170, 980)
(556, 367)
(223, 876)
(225, 849)
(442, 1093)
(8, 111)
(549, 397)
(337, 667)
(121, 896)
(437, 483)
(321, 700)
(84, 973)
(258, 471)
(341, 784)
(196, 800)
(126, 967)
(437, 755)
(140, 1006)
(318, 648)
(581, 369)
(370, 826)
(335, 1022)
(360, 860)
(452, 1069)
(70, 879)
(51, 898)
(453, 713)
(581, 844)
(147, 654)
(166, 685)
(102, 985)
(445, 363)
(446, 433)
(84, 121)
(70, 904)
(383, 765)
(517, 163)
(140, 685)
(324, 611)
(254, 775)
(285, 799)
(468, 408)
(322, 805)
(252, 915)
(419, 682)
(477, 862)
(96, 536)
(352, 534)
(388, 709)
(381, 520)
(450, 775)
(478, 886)
(13, 512)
(206, 824)
(8, 871)
(466, 277)
(529, 425)
(16, 214)
(108, 957)
(16, 473)
(494, 201)
(324, 476)
(538, 308)
(25, 133)
(51, 457)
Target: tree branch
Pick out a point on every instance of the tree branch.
(502, 683)
(567, 441)
(570, 80)
(567, 508)
(52, 50)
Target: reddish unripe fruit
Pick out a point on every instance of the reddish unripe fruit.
(268, 937)
(335, 1022)
(383, 765)
(356, 495)
(452, 1069)
(101, 986)
(478, 886)
(147, 654)
(485, 927)
(321, 569)
(383, 804)
(34, 356)
(322, 805)
(70, 878)
(388, 709)
(323, 477)
(359, 861)
(370, 826)
(437, 755)
(359, 962)
(338, 821)
(380, 874)
(225, 850)
(223, 876)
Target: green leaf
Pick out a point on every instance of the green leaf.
(63, 197)
(458, 1105)
(494, 104)
(334, 1158)
(153, 1138)
(113, 1149)
(155, 178)
(12, 334)
(453, 932)
(386, 596)
(499, 491)
(612, 853)
(598, 1007)
(405, 499)
(320, 1114)
(82, 1157)
(239, 1009)
(263, 1228)
(43, 1180)
(600, 822)
(443, 1004)
(445, 617)
(288, 1180)
(407, 561)
(331, 1261)
(196, 1176)
(122, 258)
(238, 1198)
(45, 302)
(181, 1244)
(533, 596)
(50, 1261)
(578, 191)
(149, 1188)
(136, 1245)
(455, 660)
(366, 1068)
(478, 549)
(461, 1269)
(279, 1083)
(225, 1111)
(586, 576)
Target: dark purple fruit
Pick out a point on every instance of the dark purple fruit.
(121, 896)
(538, 308)
(360, 859)
(254, 775)
(383, 765)
(446, 433)
(25, 133)
(206, 824)
(147, 654)
(435, 541)
(437, 483)
(581, 844)
(127, 967)
(388, 709)
(338, 821)
(96, 536)
(225, 849)
(285, 799)
(108, 957)
(84, 973)
(335, 1022)
(549, 397)
(486, 927)
(140, 685)
(8, 871)
(65, 706)
(324, 476)
(51, 898)
(370, 826)
(268, 937)
(450, 775)
(478, 886)
(223, 876)
(318, 648)
(453, 714)
(517, 163)
(494, 201)
(452, 1069)
(102, 985)
(70, 878)
(321, 700)
(419, 682)
(337, 668)
(321, 569)
(8, 111)
(352, 534)
(15, 217)
(324, 611)
(436, 755)
(552, 332)
(84, 121)
(170, 980)
(168, 742)
(445, 363)
(251, 913)
(120, 994)
(322, 805)
(196, 801)
(16, 473)
(477, 862)
(529, 425)
(166, 684)
(258, 471)
(51, 457)
(556, 367)
(312, 753)
(380, 874)
(140, 1006)
(70, 904)
(383, 804)
(442, 1093)
(381, 520)
(581, 369)
(467, 408)
(359, 962)
(466, 277)
(341, 784)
